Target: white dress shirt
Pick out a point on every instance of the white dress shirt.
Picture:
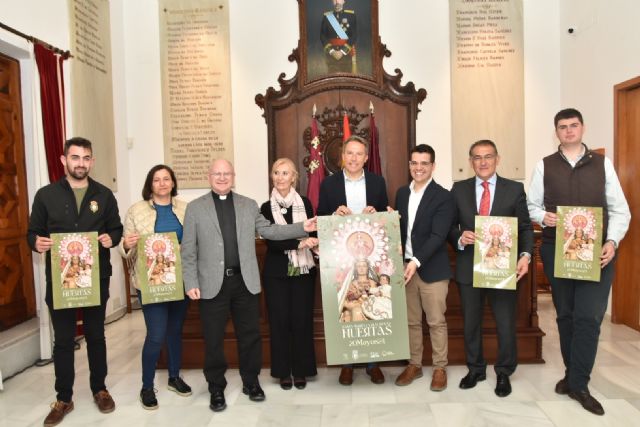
(356, 192)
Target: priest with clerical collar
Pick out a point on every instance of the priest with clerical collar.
(220, 270)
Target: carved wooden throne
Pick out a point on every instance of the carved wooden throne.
(288, 110)
(288, 114)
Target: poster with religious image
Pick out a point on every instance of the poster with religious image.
(578, 243)
(75, 270)
(495, 253)
(363, 296)
(159, 268)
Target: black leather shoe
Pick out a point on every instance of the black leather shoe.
(217, 402)
(563, 386)
(471, 379)
(299, 382)
(254, 391)
(503, 385)
(587, 401)
(285, 383)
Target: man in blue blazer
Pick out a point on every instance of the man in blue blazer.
(497, 196)
(426, 214)
(354, 191)
(220, 270)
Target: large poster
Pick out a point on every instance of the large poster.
(159, 268)
(92, 84)
(196, 87)
(578, 243)
(495, 253)
(487, 82)
(363, 296)
(75, 270)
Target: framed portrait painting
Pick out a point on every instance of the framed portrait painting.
(338, 38)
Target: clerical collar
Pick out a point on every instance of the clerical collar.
(221, 196)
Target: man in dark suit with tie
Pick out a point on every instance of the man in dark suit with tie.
(354, 191)
(488, 194)
(426, 214)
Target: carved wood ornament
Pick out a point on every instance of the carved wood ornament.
(287, 110)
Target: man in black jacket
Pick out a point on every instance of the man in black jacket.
(354, 191)
(76, 203)
(426, 214)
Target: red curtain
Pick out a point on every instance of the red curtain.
(53, 113)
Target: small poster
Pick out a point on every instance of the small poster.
(495, 252)
(363, 296)
(159, 268)
(75, 270)
(578, 243)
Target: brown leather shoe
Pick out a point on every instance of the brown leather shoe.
(346, 375)
(410, 373)
(439, 379)
(104, 401)
(377, 377)
(58, 410)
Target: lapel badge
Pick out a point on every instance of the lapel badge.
(93, 206)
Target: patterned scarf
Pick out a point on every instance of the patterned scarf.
(300, 260)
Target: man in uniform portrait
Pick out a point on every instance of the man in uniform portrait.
(338, 34)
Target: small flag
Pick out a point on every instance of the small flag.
(373, 165)
(316, 166)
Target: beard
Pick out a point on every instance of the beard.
(338, 7)
(78, 173)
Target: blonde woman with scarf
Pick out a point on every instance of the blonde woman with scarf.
(289, 282)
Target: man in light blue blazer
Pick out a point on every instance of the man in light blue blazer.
(220, 270)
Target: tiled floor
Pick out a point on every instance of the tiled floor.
(615, 382)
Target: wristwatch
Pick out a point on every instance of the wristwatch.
(527, 254)
(615, 245)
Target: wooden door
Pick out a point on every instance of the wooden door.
(626, 289)
(17, 298)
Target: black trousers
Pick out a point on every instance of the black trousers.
(503, 304)
(234, 299)
(64, 331)
(290, 307)
(580, 307)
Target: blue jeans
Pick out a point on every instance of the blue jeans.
(164, 323)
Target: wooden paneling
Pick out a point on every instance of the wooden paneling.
(17, 298)
(529, 334)
(626, 290)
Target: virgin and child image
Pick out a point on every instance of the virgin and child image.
(495, 241)
(365, 295)
(75, 261)
(76, 273)
(162, 271)
(579, 246)
(496, 254)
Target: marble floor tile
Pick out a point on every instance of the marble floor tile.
(533, 402)
(407, 415)
(617, 382)
(618, 413)
(489, 414)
